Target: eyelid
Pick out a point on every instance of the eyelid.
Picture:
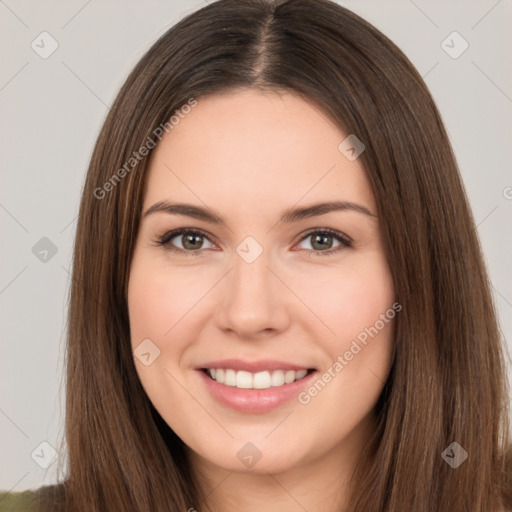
(333, 232)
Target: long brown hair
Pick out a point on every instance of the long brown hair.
(447, 382)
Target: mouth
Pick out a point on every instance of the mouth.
(254, 387)
(265, 379)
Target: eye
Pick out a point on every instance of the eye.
(186, 240)
(191, 241)
(323, 241)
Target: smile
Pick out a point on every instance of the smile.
(259, 380)
(254, 387)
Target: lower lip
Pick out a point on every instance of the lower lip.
(254, 400)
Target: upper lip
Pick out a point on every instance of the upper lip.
(252, 366)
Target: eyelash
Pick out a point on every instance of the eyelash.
(163, 241)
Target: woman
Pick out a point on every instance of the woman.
(215, 361)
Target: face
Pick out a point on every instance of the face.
(290, 307)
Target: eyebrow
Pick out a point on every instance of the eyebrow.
(292, 215)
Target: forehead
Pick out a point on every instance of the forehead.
(254, 149)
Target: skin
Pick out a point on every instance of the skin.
(250, 157)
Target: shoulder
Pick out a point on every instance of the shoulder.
(16, 501)
(49, 497)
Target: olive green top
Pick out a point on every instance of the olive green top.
(16, 501)
(39, 500)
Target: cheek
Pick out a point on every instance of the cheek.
(160, 307)
(350, 299)
(160, 303)
(358, 355)
(356, 303)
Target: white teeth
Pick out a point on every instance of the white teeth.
(300, 374)
(230, 378)
(277, 378)
(289, 377)
(243, 380)
(260, 380)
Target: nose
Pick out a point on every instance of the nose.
(254, 302)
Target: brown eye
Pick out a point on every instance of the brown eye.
(183, 240)
(191, 241)
(322, 241)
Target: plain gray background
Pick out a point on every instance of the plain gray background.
(52, 109)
